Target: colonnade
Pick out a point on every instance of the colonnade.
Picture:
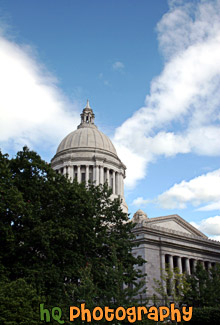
(184, 264)
(98, 174)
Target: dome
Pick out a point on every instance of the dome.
(88, 155)
(87, 137)
(140, 216)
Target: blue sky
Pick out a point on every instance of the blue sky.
(151, 70)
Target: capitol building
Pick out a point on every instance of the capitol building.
(88, 154)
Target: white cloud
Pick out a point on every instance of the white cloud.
(215, 237)
(210, 207)
(182, 111)
(118, 65)
(134, 163)
(210, 226)
(33, 110)
(140, 201)
(204, 189)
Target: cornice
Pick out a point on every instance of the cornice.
(145, 227)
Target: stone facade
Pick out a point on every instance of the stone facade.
(172, 241)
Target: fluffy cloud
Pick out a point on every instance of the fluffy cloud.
(201, 190)
(140, 201)
(183, 105)
(210, 226)
(33, 110)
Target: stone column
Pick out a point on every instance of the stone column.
(162, 273)
(97, 174)
(118, 184)
(101, 175)
(78, 174)
(170, 281)
(122, 185)
(179, 264)
(163, 264)
(87, 174)
(71, 172)
(209, 265)
(194, 265)
(113, 185)
(107, 176)
(187, 266)
(64, 170)
(170, 260)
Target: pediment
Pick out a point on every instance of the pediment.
(176, 223)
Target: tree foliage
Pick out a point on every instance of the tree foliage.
(204, 287)
(68, 241)
(173, 287)
(200, 289)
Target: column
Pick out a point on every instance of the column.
(179, 264)
(187, 266)
(163, 264)
(113, 185)
(122, 185)
(163, 272)
(194, 265)
(107, 176)
(101, 174)
(170, 260)
(170, 281)
(118, 183)
(64, 170)
(97, 174)
(87, 174)
(78, 174)
(71, 172)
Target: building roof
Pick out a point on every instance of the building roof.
(87, 135)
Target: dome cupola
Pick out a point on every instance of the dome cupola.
(87, 116)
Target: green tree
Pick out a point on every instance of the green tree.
(172, 287)
(52, 229)
(200, 289)
(19, 303)
(204, 287)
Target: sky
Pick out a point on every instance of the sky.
(151, 70)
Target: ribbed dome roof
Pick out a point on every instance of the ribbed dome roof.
(87, 137)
